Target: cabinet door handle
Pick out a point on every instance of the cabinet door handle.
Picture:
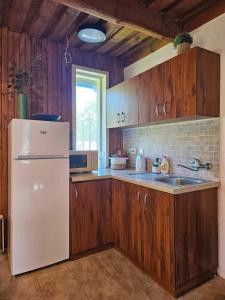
(138, 197)
(164, 108)
(123, 117)
(118, 118)
(145, 199)
(76, 193)
(157, 109)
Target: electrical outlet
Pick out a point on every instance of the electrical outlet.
(133, 151)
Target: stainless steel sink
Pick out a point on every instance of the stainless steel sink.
(179, 180)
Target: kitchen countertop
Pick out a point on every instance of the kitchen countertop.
(128, 175)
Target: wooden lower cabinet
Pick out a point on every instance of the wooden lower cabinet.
(90, 215)
(173, 238)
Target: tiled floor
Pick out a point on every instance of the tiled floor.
(105, 275)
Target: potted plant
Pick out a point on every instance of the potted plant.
(182, 42)
(18, 80)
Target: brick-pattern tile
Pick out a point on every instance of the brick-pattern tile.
(180, 142)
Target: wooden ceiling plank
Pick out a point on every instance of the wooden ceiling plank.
(6, 12)
(124, 46)
(18, 14)
(122, 42)
(195, 10)
(169, 7)
(63, 27)
(144, 48)
(44, 16)
(1, 12)
(127, 13)
(32, 14)
(114, 40)
(205, 16)
(56, 18)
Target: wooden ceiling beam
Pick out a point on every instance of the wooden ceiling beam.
(169, 7)
(128, 13)
(208, 13)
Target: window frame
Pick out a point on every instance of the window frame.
(102, 79)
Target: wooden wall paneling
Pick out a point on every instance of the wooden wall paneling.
(115, 139)
(27, 68)
(1, 96)
(12, 58)
(49, 90)
(4, 114)
(50, 77)
(32, 101)
(38, 72)
(44, 74)
(59, 78)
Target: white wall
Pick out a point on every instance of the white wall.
(210, 36)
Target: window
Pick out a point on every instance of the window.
(89, 113)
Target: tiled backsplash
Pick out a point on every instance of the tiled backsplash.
(180, 142)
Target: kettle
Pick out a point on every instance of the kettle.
(140, 162)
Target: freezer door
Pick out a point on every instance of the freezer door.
(38, 138)
(39, 213)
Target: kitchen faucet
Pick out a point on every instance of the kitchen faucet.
(196, 164)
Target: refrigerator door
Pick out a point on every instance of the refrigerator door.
(39, 138)
(39, 213)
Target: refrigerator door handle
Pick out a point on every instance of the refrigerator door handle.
(30, 156)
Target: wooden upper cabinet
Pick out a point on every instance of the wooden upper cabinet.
(150, 95)
(90, 215)
(122, 104)
(187, 85)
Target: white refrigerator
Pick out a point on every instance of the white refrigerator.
(38, 194)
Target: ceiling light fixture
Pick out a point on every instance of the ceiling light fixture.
(92, 34)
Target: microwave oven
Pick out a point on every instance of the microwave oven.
(83, 161)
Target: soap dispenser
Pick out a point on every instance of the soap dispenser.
(140, 161)
(164, 167)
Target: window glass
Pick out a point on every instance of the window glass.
(86, 115)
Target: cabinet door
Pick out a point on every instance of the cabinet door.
(121, 214)
(136, 223)
(196, 235)
(129, 102)
(173, 77)
(158, 236)
(90, 217)
(122, 104)
(150, 95)
(113, 106)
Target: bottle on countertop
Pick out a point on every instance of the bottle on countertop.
(156, 166)
(165, 167)
(140, 161)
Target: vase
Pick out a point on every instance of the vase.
(22, 106)
(181, 48)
